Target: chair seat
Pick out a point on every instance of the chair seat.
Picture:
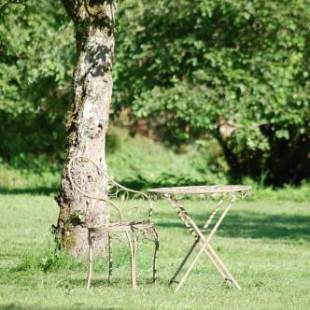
(138, 225)
(130, 226)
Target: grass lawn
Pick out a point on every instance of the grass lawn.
(264, 242)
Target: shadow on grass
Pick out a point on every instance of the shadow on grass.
(13, 306)
(104, 283)
(40, 190)
(94, 283)
(257, 225)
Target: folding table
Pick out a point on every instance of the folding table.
(223, 196)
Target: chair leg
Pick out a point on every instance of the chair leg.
(110, 258)
(134, 261)
(90, 260)
(133, 246)
(156, 241)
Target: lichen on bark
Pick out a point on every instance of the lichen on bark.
(87, 123)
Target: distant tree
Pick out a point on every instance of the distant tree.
(88, 120)
(237, 71)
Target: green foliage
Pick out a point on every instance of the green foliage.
(235, 70)
(37, 50)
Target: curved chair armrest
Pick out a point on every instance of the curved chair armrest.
(118, 210)
(112, 182)
(138, 193)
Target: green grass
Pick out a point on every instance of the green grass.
(264, 242)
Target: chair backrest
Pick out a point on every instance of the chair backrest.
(126, 205)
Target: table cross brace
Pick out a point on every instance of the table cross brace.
(204, 242)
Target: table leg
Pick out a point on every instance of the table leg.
(183, 262)
(214, 254)
(209, 254)
(224, 268)
(215, 263)
(180, 284)
(204, 242)
(208, 222)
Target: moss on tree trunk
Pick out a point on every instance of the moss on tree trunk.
(87, 123)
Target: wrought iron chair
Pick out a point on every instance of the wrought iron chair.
(130, 228)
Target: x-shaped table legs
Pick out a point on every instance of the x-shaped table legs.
(203, 242)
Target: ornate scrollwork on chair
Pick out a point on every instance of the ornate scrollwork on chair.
(117, 222)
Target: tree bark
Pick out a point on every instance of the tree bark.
(87, 124)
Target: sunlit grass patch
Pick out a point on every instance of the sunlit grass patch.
(265, 244)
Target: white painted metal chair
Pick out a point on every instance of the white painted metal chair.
(131, 228)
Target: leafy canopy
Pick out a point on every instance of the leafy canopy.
(235, 71)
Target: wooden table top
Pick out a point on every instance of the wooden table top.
(206, 189)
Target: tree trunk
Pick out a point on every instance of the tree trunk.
(87, 124)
